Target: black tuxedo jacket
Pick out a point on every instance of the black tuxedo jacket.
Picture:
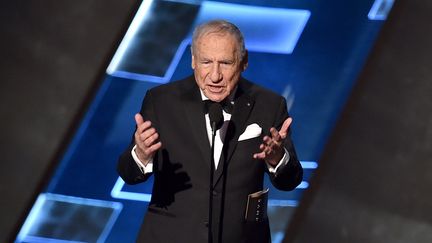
(178, 210)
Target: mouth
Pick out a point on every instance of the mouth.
(215, 89)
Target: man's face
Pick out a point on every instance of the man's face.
(216, 65)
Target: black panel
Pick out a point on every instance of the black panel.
(374, 180)
(52, 53)
(158, 38)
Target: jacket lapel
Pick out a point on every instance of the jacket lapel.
(193, 107)
(242, 108)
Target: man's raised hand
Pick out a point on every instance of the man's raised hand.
(146, 140)
(272, 149)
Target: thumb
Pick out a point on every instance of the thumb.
(139, 119)
(284, 129)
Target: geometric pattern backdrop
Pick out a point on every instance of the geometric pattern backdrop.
(309, 52)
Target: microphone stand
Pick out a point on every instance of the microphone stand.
(212, 169)
(216, 119)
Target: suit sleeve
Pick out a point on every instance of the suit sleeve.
(290, 175)
(126, 165)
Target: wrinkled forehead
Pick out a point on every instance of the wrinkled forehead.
(224, 42)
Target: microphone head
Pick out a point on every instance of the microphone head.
(215, 115)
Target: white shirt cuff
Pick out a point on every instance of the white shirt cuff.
(145, 169)
(282, 162)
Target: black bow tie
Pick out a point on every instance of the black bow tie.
(227, 106)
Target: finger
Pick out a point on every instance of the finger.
(267, 140)
(147, 133)
(260, 155)
(266, 149)
(271, 143)
(139, 119)
(284, 129)
(148, 152)
(142, 133)
(152, 149)
(143, 127)
(275, 135)
(151, 140)
(139, 133)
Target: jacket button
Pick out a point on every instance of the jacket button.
(206, 224)
(215, 193)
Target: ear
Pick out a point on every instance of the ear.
(193, 62)
(245, 61)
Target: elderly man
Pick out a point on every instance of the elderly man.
(173, 142)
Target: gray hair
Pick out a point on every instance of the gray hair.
(219, 26)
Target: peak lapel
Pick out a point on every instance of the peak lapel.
(194, 112)
(242, 108)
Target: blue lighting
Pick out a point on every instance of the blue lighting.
(303, 185)
(270, 30)
(140, 17)
(314, 69)
(117, 192)
(35, 239)
(151, 78)
(40, 217)
(309, 164)
(31, 218)
(282, 203)
(380, 9)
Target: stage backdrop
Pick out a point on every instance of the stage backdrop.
(309, 52)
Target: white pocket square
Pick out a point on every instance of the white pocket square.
(251, 131)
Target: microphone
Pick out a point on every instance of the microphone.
(215, 115)
(216, 121)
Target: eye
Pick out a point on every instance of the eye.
(227, 63)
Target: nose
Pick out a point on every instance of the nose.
(215, 73)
